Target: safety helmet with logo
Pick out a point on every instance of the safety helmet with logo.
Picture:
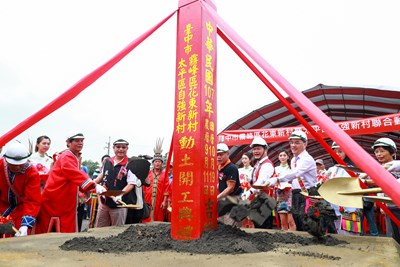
(259, 141)
(17, 154)
(298, 134)
(385, 142)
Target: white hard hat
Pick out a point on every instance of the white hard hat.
(221, 147)
(334, 145)
(385, 142)
(259, 141)
(17, 154)
(298, 134)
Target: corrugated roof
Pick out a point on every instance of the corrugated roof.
(340, 103)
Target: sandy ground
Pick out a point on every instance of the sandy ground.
(43, 250)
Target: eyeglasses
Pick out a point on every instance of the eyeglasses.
(123, 147)
(295, 143)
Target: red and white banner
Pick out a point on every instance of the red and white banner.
(387, 123)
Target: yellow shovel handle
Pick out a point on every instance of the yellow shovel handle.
(362, 191)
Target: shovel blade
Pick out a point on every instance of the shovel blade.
(224, 206)
(329, 189)
(7, 228)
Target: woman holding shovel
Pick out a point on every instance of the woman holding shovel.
(385, 152)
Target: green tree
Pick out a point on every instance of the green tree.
(91, 165)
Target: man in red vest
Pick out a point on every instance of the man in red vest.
(262, 172)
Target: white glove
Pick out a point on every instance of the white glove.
(117, 199)
(273, 181)
(246, 195)
(23, 231)
(395, 166)
(100, 189)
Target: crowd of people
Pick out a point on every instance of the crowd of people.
(294, 181)
(40, 193)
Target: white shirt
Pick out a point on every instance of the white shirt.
(334, 172)
(265, 173)
(303, 166)
(46, 161)
(132, 178)
(245, 174)
(280, 171)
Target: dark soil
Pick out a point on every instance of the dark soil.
(224, 240)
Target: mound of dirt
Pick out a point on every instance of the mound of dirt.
(224, 240)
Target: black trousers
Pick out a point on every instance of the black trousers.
(298, 209)
(134, 216)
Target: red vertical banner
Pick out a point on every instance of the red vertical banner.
(194, 206)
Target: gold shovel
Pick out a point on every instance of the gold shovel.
(112, 193)
(347, 192)
(128, 206)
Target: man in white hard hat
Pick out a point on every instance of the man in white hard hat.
(228, 181)
(303, 175)
(19, 188)
(262, 172)
(59, 197)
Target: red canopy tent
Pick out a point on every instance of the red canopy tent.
(340, 103)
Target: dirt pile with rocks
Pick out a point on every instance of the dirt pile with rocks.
(224, 240)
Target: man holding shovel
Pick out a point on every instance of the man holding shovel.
(19, 189)
(228, 184)
(116, 177)
(303, 170)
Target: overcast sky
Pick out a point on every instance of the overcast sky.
(47, 46)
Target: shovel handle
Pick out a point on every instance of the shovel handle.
(16, 230)
(122, 203)
(362, 191)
